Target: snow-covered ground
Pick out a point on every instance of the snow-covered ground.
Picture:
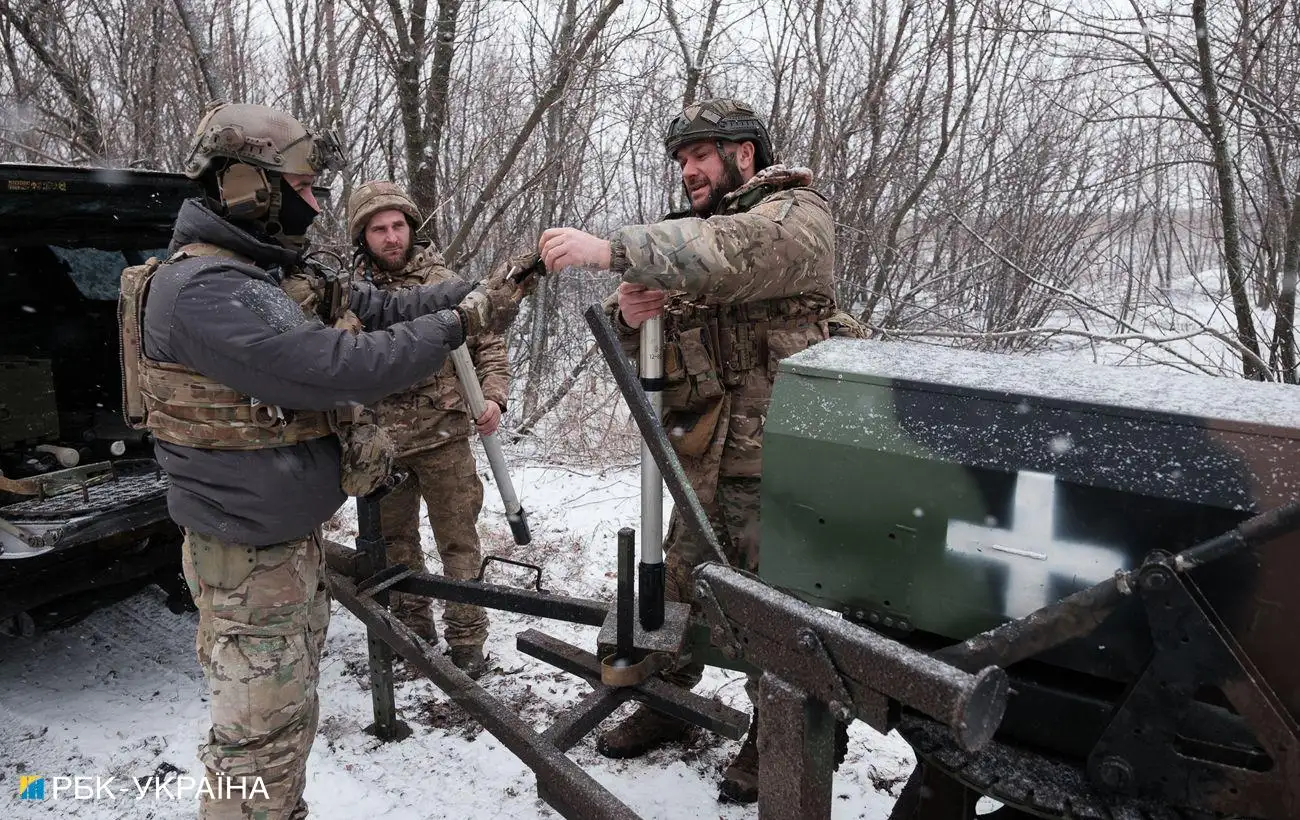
(121, 695)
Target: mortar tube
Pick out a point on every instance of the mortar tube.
(651, 571)
(516, 515)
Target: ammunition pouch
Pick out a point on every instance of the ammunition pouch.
(714, 347)
(369, 456)
(691, 380)
(691, 432)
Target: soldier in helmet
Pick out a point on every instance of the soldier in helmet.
(430, 426)
(744, 279)
(248, 392)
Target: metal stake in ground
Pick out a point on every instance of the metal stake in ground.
(370, 541)
(651, 571)
(473, 391)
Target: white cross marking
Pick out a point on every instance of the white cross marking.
(1030, 551)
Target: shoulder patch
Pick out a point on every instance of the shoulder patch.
(775, 208)
(271, 304)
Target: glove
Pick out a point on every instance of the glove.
(489, 309)
(494, 304)
(523, 270)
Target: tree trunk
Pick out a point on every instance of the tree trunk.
(1228, 211)
(202, 50)
(424, 179)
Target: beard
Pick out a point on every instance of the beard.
(382, 261)
(717, 190)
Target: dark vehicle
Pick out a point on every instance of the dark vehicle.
(83, 517)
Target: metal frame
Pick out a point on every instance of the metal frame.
(820, 672)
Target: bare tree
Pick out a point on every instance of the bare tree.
(44, 31)
(202, 51)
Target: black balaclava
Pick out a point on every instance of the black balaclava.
(296, 215)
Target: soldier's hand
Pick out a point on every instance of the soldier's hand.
(564, 247)
(521, 271)
(490, 308)
(488, 422)
(636, 303)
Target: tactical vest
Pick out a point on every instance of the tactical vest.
(181, 406)
(711, 348)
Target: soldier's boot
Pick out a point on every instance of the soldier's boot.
(417, 614)
(642, 731)
(740, 780)
(469, 659)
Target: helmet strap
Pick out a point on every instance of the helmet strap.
(273, 227)
(287, 220)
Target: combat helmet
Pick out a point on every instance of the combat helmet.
(721, 119)
(241, 152)
(369, 198)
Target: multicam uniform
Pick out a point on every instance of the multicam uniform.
(750, 285)
(431, 428)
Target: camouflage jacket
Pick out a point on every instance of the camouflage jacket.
(433, 412)
(750, 285)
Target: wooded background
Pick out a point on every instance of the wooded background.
(1005, 173)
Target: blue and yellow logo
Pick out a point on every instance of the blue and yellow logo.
(31, 787)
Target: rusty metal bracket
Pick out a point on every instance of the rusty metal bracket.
(618, 675)
(669, 639)
(654, 692)
(1144, 751)
(77, 479)
(796, 737)
(721, 636)
(574, 725)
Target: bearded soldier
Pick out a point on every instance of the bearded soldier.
(244, 362)
(743, 279)
(430, 426)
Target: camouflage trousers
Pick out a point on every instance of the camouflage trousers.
(263, 614)
(447, 479)
(733, 512)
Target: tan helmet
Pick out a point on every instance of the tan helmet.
(721, 119)
(369, 198)
(261, 136)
